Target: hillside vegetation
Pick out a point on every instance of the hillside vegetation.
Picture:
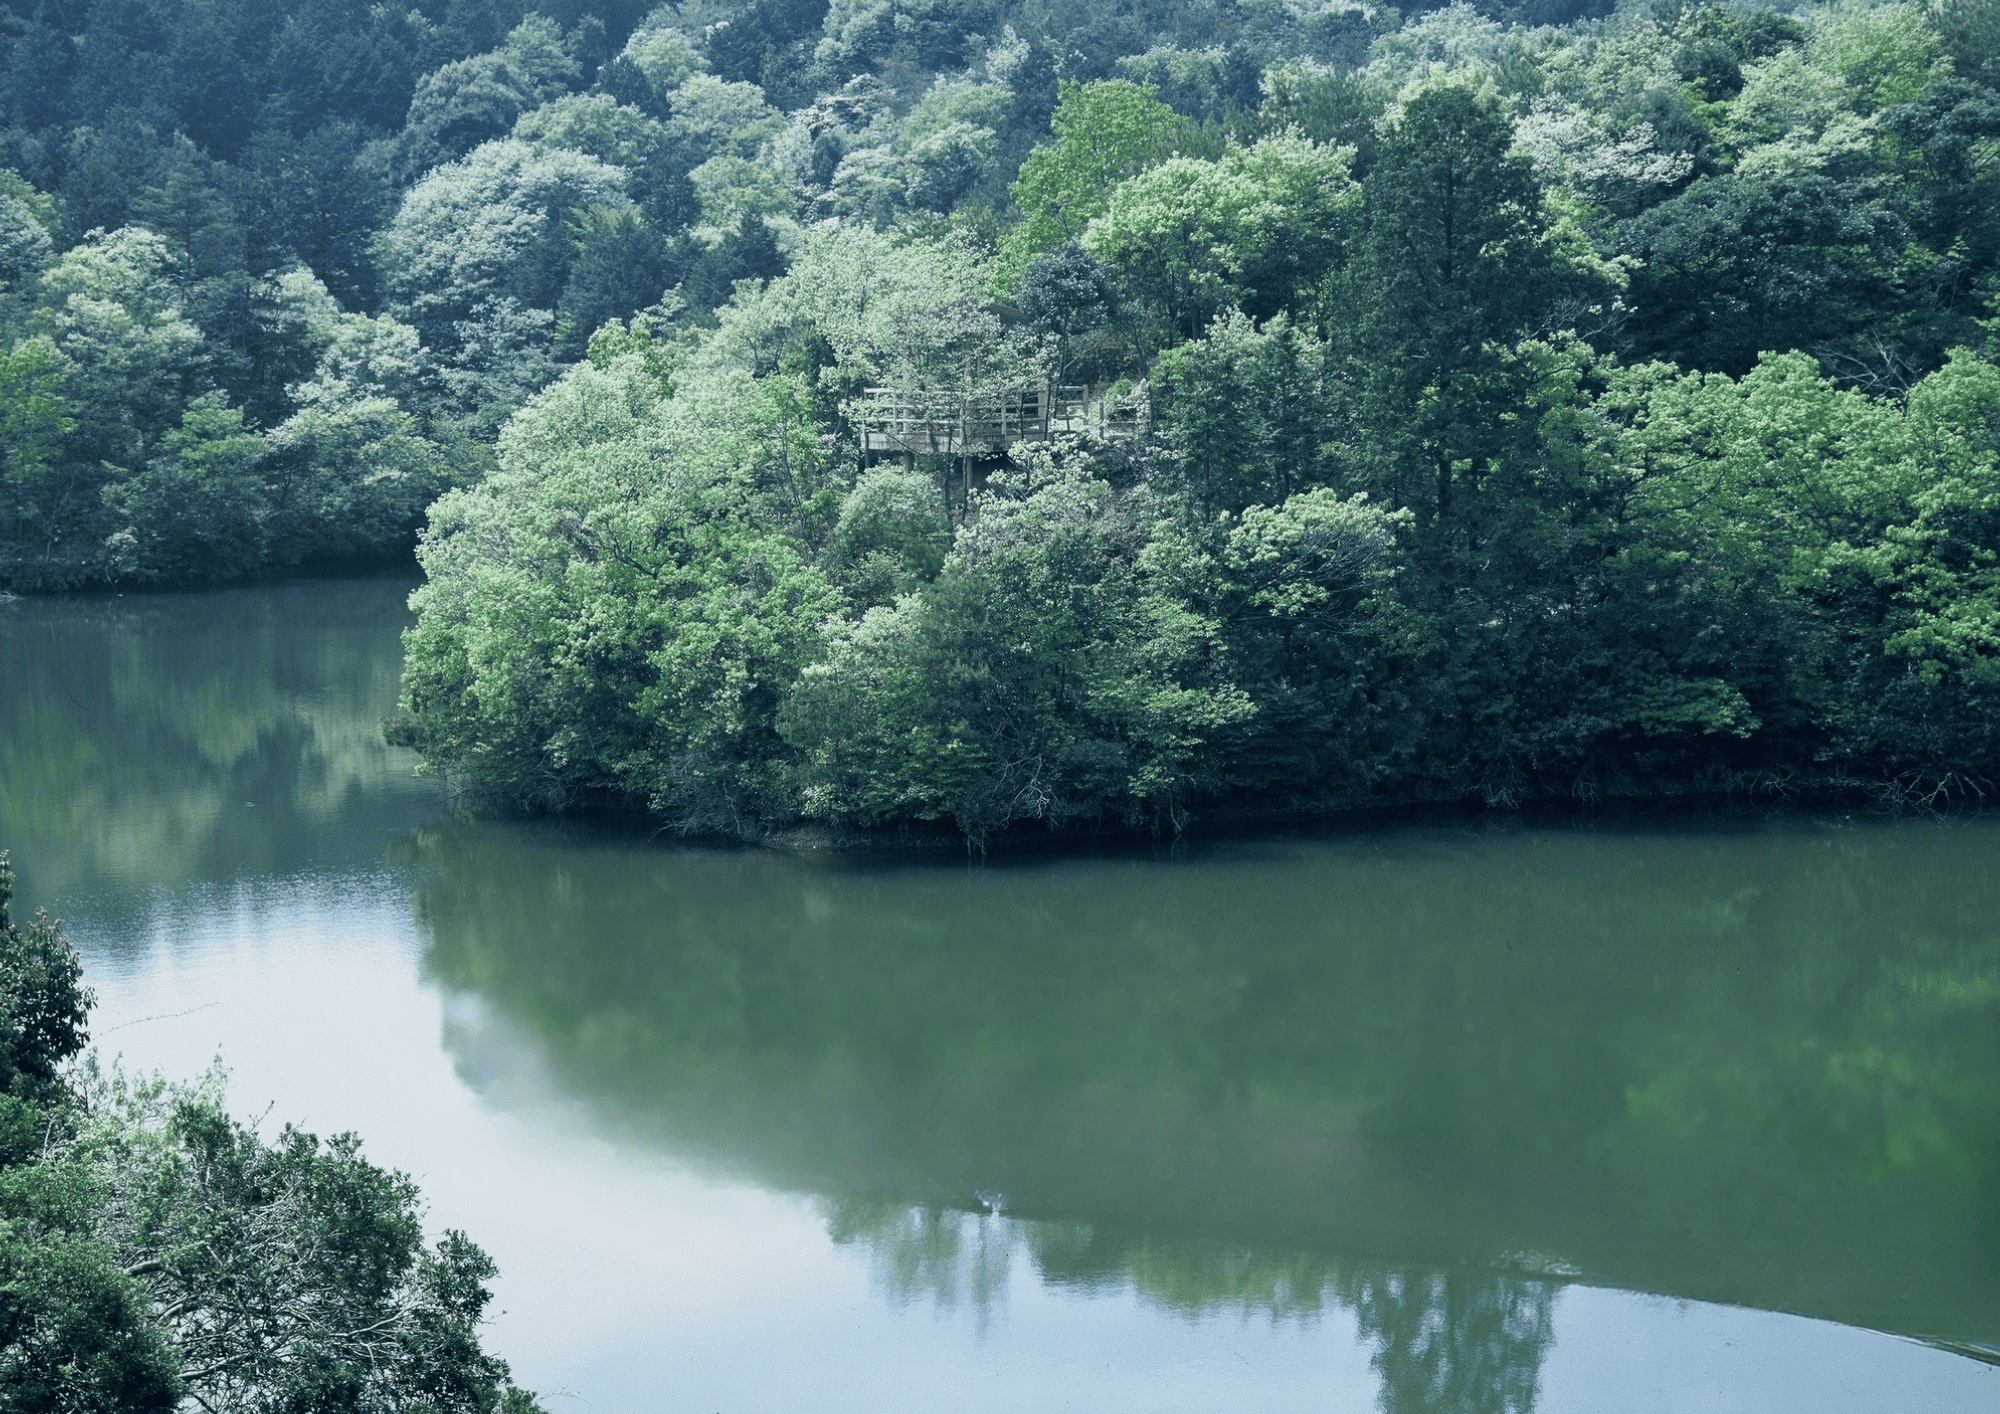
(1534, 404)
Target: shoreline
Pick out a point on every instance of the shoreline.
(1243, 823)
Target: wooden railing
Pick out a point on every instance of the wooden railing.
(944, 423)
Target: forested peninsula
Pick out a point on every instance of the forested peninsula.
(974, 417)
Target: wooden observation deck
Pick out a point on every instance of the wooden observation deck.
(953, 425)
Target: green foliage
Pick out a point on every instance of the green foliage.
(350, 480)
(1452, 265)
(1748, 265)
(1251, 411)
(621, 266)
(27, 220)
(1105, 132)
(124, 462)
(664, 55)
(154, 1250)
(1943, 562)
(615, 339)
(659, 597)
(75, 1324)
(43, 1003)
(1251, 228)
(597, 125)
(321, 202)
(1970, 31)
(191, 512)
(1428, 556)
(1598, 317)
(468, 102)
(490, 230)
(1201, 84)
(115, 313)
(892, 536)
(32, 428)
(1047, 673)
(313, 1257)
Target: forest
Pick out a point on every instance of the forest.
(1497, 404)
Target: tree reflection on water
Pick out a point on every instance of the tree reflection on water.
(933, 1255)
(1759, 1067)
(1463, 1342)
(155, 742)
(1450, 1341)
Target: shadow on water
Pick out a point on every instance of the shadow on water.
(1758, 1067)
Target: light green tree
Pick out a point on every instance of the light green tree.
(1192, 235)
(1105, 132)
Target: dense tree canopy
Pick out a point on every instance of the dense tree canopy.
(1497, 403)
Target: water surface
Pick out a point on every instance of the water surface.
(1504, 1119)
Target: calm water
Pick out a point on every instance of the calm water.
(1423, 1120)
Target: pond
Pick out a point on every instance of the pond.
(1476, 1119)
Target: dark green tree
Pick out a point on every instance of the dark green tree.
(622, 265)
(1450, 270)
(318, 204)
(1736, 266)
(44, 1006)
(1251, 415)
(750, 252)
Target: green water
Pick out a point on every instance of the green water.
(1431, 1084)
(1761, 1068)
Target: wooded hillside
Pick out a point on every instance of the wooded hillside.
(1536, 404)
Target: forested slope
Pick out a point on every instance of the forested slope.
(1578, 409)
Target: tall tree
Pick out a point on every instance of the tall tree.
(1451, 269)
